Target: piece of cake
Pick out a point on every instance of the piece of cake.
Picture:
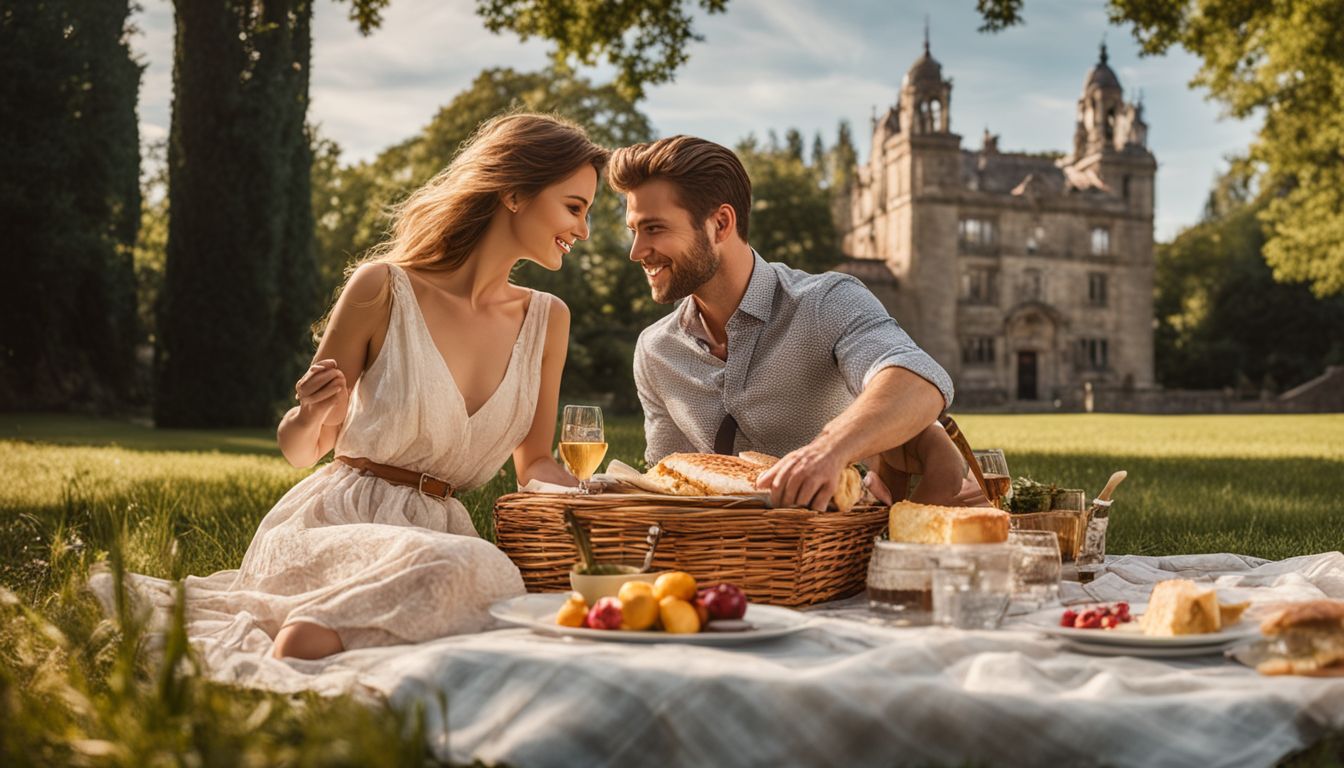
(932, 524)
(1180, 607)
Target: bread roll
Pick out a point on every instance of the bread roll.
(1305, 638)
(932, 524)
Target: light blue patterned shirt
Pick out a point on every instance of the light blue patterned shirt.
(801, 348)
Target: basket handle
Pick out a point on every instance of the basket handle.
(958, 439)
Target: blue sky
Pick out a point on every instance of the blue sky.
(771, 64)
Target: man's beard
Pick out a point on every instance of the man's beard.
(692, 270)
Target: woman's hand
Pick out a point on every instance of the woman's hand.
(322, 394)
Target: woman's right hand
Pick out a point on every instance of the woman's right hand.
(322, 393)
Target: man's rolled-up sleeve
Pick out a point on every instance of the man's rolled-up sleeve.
(865, 339)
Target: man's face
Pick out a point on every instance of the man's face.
(675, 252)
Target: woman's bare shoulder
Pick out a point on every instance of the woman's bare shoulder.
(368, 283)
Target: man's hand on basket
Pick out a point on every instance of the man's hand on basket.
(804, 478)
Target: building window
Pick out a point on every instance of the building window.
(1101, 241)
(977, 350)
(1096, 289)
(978, 286)
(1032, 285)
(1092, 354)
(975, 235)
(1035, 239)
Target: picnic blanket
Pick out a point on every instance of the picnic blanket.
(848, 691)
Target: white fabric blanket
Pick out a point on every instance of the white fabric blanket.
(846, 691)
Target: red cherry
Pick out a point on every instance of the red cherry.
(1068, 618)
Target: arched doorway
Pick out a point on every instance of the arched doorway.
(1032, 332)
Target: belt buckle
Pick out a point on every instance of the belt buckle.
(420, 486)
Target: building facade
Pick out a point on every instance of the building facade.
(1024, 275)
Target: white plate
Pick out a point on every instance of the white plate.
(1149, 652)
(1128, 636)
(537, 612)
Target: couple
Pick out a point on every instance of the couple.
(433, 368)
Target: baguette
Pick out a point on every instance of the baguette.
(709, 474)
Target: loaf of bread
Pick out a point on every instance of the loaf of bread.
(932, 524)
(1180, 607)
(1305, 639)
(711, 474)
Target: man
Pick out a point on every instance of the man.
(764, 357)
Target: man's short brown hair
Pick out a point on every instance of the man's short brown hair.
(705, 175)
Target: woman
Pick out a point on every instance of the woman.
(432, 369)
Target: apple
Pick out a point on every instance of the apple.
(605, 614)
(724, 601)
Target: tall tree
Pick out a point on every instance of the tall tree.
(1282, 60)
(69, 203)
(1223, 321)
(241, 281)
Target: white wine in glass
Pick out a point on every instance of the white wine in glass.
(583, 442)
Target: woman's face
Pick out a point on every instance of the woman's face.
(548, 225)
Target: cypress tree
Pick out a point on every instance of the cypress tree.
(69, 203)
(240, 281)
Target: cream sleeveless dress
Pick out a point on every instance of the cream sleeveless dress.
(377, 563)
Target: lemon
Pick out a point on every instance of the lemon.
(678, 584)
(638, 611)
(572, 613)
(679, 617)
(631, 588)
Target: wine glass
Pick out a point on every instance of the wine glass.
(994, 467)
(583, 442)
(1036, 567)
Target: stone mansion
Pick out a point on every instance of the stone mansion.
(1024, 275)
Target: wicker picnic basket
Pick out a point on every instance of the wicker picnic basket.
(777, 556)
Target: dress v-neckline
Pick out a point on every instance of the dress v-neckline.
(513, 353)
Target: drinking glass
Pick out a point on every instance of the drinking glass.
(1036, 567)
(583, 442)
(994, 467)
(900, 582)
(972, 585)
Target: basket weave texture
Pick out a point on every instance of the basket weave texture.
(784, 557)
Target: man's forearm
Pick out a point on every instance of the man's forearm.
(895, 406)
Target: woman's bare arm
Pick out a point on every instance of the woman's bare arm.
(532, 458)
(308, 431)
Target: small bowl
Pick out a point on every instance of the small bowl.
(594, 586)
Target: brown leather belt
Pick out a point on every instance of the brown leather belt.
(423, 482)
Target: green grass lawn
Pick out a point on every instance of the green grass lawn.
(181, 501)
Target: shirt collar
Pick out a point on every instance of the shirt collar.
(758, 301)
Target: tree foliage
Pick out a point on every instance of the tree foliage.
(1282, 60)
(1223, 321)
(791, 208)
(69, 203)
(645, 40)
(608, 297)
